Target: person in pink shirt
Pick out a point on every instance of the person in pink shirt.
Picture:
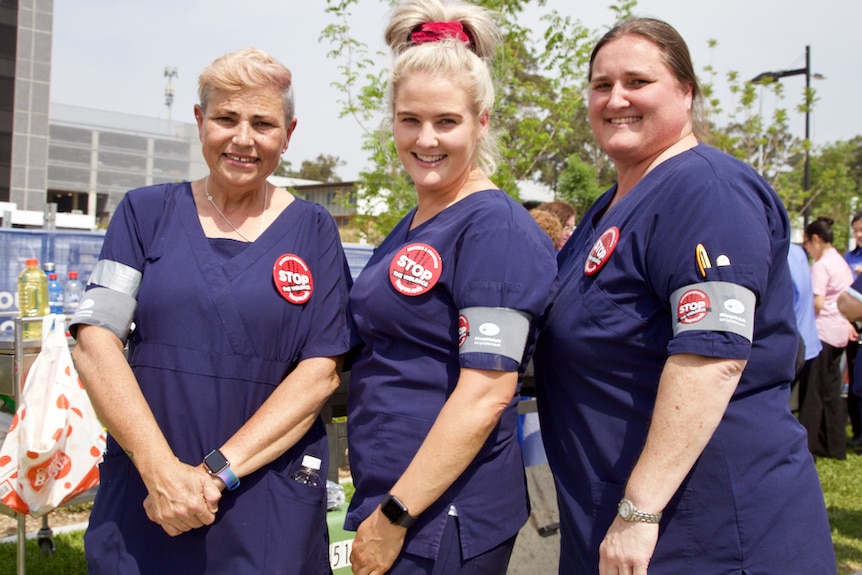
(821, 408)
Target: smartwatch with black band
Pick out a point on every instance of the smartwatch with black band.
(396, 512)
(218, 465)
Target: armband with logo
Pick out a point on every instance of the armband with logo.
(497, 330)
(714, 306)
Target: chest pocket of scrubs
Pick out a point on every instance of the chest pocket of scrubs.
(624, 314)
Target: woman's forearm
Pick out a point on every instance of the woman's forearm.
(117, 398)
(459, 432)
(285, 417)
(693, 394)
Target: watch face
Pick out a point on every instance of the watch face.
(396, 512)
(392, 510)
(215, 461)
(625, 509)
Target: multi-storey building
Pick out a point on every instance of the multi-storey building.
(94, 157)
(81, 160)
(25, 78)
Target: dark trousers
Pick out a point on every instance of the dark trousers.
(853, 400)
(449, 561)
(821, 407)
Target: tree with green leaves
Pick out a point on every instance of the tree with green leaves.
(321, 169)
(836, 182)
(540, 91)
(384, 192)
(578, 184)
(769, 146)
(541, 119)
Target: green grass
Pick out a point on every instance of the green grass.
(841, 482)
(68, 557)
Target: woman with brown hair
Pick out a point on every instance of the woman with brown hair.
(665, 361)
(565, 214)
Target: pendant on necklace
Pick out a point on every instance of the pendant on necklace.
(230, 223)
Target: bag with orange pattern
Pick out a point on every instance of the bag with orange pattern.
(55, 442)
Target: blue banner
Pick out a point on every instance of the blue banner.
(78, 251)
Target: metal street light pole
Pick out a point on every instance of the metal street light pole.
(806, 182)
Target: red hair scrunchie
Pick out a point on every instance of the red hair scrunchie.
(436, 31)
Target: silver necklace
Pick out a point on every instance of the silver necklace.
(224, 217)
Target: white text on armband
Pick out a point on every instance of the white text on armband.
(106, 308)
(495, 330)
(714, 306)
(116, 276)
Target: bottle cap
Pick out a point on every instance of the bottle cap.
(48, 266)
(52, 276)
(32, 262)
(311, 462)
(73, 275)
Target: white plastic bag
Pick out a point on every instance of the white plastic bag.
(55, 443)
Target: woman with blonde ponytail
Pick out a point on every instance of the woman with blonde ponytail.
(445, 312)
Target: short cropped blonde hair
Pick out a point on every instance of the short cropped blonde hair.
(243, 69)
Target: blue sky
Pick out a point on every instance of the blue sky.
(111, 55)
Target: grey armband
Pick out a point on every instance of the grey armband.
(714, 306)
(105, 308)
(495, 330)
(116, 276)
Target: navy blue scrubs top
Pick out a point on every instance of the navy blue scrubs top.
(213, 339)
(484, 251)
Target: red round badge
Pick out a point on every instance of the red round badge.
(463, 329)
(415, 269)
(693, 306)
(293, 278)
(602, 250)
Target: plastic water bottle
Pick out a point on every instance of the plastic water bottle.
(309, 472)
(335, 495)
(32, 298)
(55, 289)
(74, 291)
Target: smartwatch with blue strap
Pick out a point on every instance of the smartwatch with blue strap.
(218, 465)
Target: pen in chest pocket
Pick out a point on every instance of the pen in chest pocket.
(702, 259)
